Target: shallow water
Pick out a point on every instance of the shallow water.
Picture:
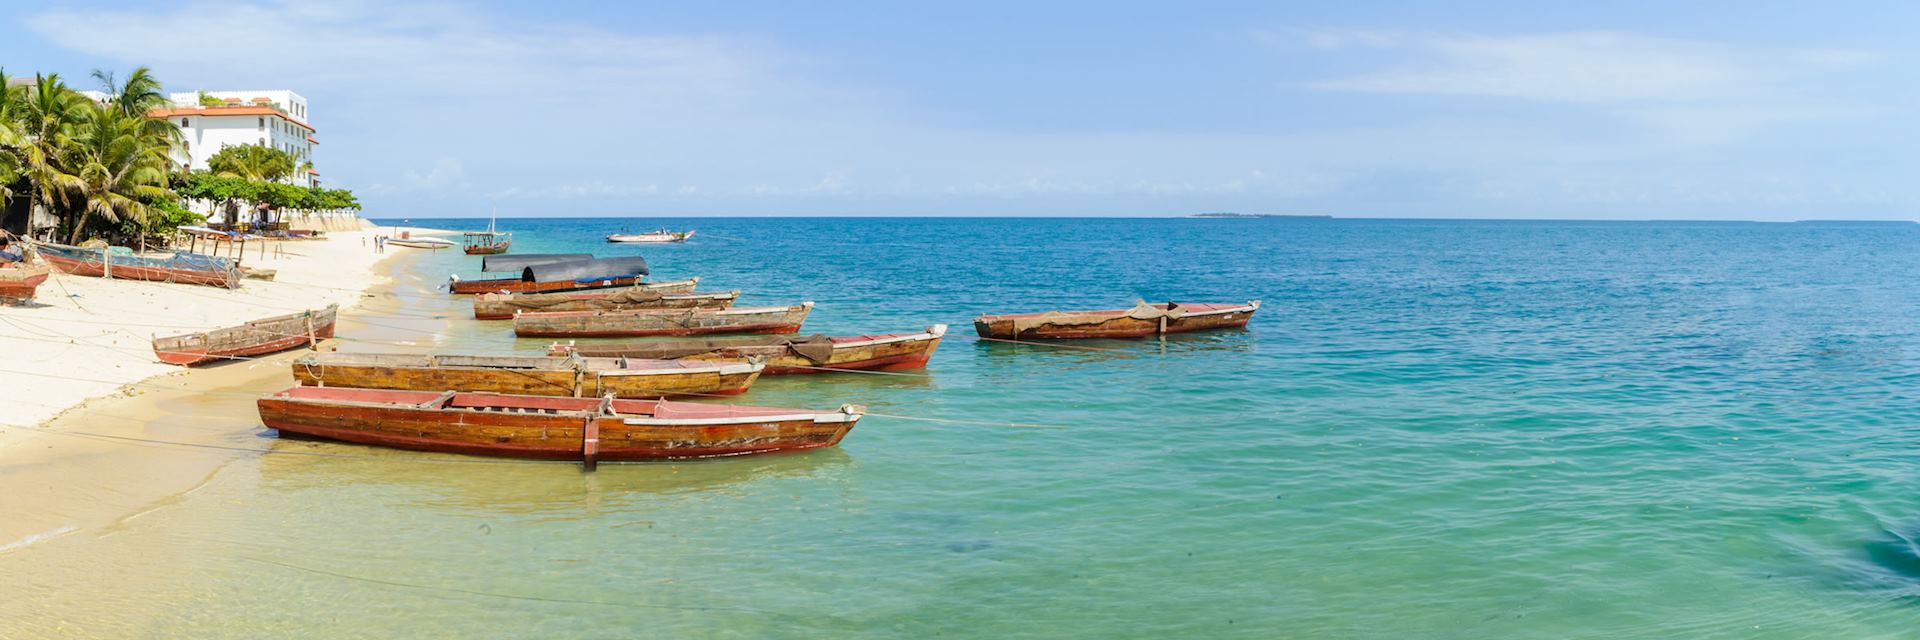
(1432, 429)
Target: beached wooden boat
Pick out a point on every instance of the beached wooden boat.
(259, 337)
(783, 354)
(662, 235)
(1141, 321)
(119, 262)
(19, 280)
(502, 306)
(575, 376)
(546, 427)
(661, 322)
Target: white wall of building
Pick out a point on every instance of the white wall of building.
(277, 123)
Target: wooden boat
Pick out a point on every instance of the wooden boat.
(784, 355)
(1141, 321)
(489, 242)
(421, 243)
(19, 280)
(502, 306)
(120, 262)
(660, 236)
(546, 427)
(495, 302)
(575, 376)
(486, 243)
(661, 322)
(551, 277)
(267, 335)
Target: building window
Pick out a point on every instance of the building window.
(263, 124)
(183, 123)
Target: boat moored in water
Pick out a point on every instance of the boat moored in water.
(548, 277)
(258, 337)
(502, 306)
(546, 427)
(784, 354)
(1141, 321)
(576, 376)
(661, 322)
(660, 236)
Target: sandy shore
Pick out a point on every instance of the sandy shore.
(88, 337)
(112, 403)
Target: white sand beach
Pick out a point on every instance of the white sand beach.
(90, 337)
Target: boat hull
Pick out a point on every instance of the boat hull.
(543, 428)
(502, 306)
(1112, 323)
(883, 352)
(661, 322)
(81, 261)
(486, 251)
(722, 379)
(19, 281)
(516, 285)
(259, 337)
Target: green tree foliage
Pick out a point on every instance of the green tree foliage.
(252, 162)
(107, 166)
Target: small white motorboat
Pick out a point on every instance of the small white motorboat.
(662, 235)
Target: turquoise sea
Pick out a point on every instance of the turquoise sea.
(1432, 429)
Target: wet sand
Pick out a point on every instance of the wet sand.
(112, 459)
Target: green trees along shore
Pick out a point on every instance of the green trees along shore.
(106, 167)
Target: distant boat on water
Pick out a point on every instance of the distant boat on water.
(489, 242)
(421, 243)
(662, 235)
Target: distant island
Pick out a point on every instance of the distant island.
(1257, 215)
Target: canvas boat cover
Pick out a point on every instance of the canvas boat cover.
(585, 269)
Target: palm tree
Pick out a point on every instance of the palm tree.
(116, 166)
(47, 112)
(10, 139)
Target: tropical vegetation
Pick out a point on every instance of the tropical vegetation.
(105, 168)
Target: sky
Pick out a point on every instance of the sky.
(1612, 110)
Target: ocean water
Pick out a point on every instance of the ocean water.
(1435, 429)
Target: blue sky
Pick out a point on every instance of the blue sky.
(1622, 109)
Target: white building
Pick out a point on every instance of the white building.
(273, 118)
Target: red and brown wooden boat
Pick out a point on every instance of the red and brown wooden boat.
(502, 306)
(575, 376)
(258, 337)
(106, 262)
(18, 280)
(1141, 321)
(783, 355)
(587, 429)
(661, 322)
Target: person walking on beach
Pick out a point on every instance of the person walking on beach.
(379, 244)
